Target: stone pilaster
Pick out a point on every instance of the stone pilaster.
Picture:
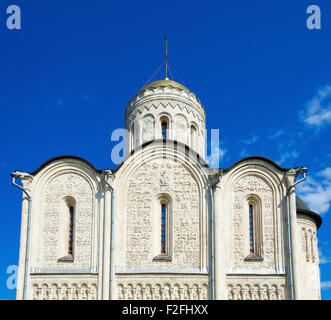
(220, 246)
(291, 176)
(106, 244)
(26, 182)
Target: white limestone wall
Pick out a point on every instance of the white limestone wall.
(235, 272)
(160, 170)
(50, 227)
(309, 260)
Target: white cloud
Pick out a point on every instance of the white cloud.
(326, 173)
(317, 111)
(251, 140)
(276, 134)
(316, 191)
(325, 285)
(322, 258)
(287, 155)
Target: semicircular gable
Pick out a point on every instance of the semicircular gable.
(59, 166)
(248, 180)
(174, 150)
(54, 183)
(152, 173)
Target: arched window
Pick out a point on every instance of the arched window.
(251, 229)
(132, 136)
(164, 126)
(163, 227)
(135, 135)
(164, 129)
(254, 227)
(71, 229)
(193, 137)
(67, 231)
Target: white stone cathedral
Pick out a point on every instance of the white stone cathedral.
(163, 224)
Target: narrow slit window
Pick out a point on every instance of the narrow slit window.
(164, 127)
(193, 137)
(163, 228)
(251, 229)
(71, 229)
(132, 136)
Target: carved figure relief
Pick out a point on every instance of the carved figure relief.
(151, 179)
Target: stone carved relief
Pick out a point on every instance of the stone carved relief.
(148, 132)
(62, 289)
(74, 185)
(162, 288)
(252, 185)
(150, 180)
(191, 98)
(250, 288)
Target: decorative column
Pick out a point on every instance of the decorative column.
(26, 183)
(181, 294)
(220, 246)
(291, 176)
(106, 244)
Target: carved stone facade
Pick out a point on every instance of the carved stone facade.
(163, 224)
(147, 183)
(159, 287)
(257, 288)
(53, 220)
(253, 185)
(64, 288)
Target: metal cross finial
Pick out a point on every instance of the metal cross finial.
(166, 39)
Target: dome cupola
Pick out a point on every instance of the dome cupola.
(166, 109)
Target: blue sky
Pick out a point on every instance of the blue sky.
(263, 77)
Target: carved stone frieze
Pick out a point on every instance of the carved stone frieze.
(146, 287)
(256, 288)
(64, 288)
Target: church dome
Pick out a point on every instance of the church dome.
(163, 83)
(301, 205)
(303, 208)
